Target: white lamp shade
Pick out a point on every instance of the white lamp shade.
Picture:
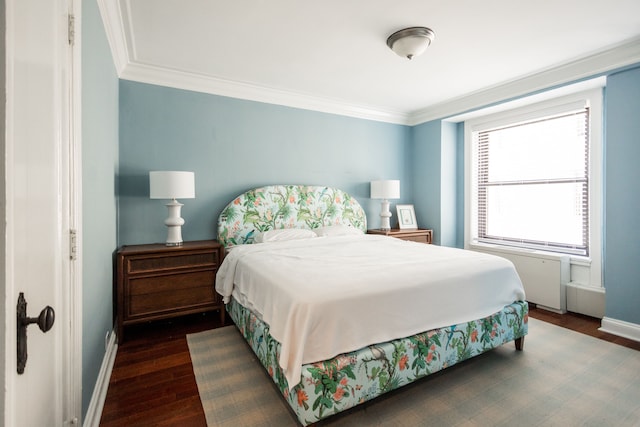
(387, 189)
(172, 185)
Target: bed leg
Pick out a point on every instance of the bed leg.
(519, 343)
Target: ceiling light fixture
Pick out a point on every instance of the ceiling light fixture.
(410, 42)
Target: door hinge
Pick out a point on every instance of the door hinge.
(73, 244)
(71, 29)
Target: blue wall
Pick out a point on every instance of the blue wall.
(427, 152)
(622, 197)
(233, 145)
(460, 185)
(448, 185)
(435, 179)
(99, 210)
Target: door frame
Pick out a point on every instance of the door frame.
(69, 295)
(73, 383)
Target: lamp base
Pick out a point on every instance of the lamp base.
(174, 223)
(385, 216)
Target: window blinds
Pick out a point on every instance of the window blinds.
(533, 183)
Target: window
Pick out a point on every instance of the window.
(533, 178)
(533, 183)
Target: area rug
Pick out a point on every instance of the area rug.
(562, 378)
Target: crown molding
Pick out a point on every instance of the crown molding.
(147, 73)
(115, 17)
(595, 65)
(114, 29)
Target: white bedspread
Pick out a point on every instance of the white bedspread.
(330, 295)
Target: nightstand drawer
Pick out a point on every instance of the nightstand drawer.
(159, 294)
(165, 302)
(419, 235)
(154, 284)
(419, 238)
(161, 262)
(161, 304)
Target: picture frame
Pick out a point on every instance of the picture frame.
(406, 217)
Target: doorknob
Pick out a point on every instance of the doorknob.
(44, 320)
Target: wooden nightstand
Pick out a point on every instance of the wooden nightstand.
(158, 281)
(418, 235)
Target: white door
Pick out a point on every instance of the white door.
(39, 213)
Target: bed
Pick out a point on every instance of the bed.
(338, 317)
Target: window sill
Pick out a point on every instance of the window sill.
(573, 259)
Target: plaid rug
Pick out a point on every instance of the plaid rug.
(562, 378)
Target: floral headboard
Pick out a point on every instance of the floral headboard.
(287, 206)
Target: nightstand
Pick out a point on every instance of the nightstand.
(417, 235)
(158, 281)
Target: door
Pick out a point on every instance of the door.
(39, 214)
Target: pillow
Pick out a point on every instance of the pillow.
(283, 234)
(337, 230)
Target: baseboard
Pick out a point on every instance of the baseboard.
(620, 328)
(587, 300)
(99, 395)
(551, 309)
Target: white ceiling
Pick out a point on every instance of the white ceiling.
(331, 55)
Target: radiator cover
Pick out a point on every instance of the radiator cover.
(543, 275)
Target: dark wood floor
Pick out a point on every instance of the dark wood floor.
(152, 383)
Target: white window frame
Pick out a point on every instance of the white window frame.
(594, 99)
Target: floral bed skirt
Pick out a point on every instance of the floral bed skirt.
(349, 379)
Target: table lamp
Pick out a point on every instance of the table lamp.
(172, 185)
(385, 190)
